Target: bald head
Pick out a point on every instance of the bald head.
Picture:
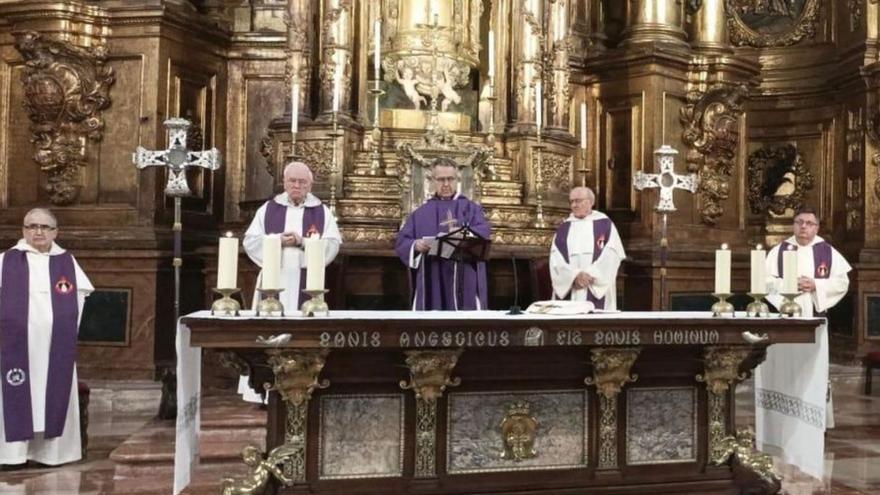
(298, 180)
(581, 200)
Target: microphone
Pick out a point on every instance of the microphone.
(515, 309)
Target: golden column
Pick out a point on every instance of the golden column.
(560, 92)
(527, 50)
(709, 27)
(336, 50)
(651, 21)
(596, 15)
(300, 38)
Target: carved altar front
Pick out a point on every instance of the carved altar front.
(401, 402)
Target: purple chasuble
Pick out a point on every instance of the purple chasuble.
(438, 283)
(14, 294)
(601, 234)
(313, 221)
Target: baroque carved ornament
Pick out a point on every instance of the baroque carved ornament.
(778, 180)
(66, 88)
(762, 23)
(873, 131)
(711, 132)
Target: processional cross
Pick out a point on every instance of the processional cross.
(176, 159)
(667, 181)
(450, 221)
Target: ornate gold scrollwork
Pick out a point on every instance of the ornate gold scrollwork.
(873, 132)
(803, 26)
(778, 180)
(721, 370)
(741, 449)
(518, 431)
(296, 377)
(429, 373)
(296, 373)
(66, 88)
(711, 131)
(260, 470)
(611, 371)
(555, 170)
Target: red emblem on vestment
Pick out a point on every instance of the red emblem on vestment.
(313, 229)
(64, 286)
(822, 270)
(600, 242)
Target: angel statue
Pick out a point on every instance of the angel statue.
(260, 469)
(407, 80)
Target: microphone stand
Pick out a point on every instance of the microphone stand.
(515, 309)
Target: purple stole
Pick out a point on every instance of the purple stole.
(601, 234)
(821, 261)
(821, 258)
(313, 221)
(15, 297)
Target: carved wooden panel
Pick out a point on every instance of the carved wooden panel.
(621, 155)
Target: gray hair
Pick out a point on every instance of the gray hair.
(44, 211)
(590, 193)
(295, 164)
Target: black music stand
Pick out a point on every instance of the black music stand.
(461, 245)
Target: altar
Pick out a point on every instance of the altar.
(465, 402)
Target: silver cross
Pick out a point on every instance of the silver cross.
(177, 157)
(667, 180)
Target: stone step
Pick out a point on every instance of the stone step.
(124, 397)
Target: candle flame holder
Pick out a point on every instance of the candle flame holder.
(269, 305)
(722, 307)
(225, 306)
(790, 308)
(316, 306)
(757, 308)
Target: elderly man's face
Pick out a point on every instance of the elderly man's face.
(581, 203)
(806, 226)
(297, 184)
(39, 231)
(445, 181)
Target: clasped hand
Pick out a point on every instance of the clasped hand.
(806, 284)
(422, 246)
(582, 281)
(290, 239)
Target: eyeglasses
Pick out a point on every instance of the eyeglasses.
(301, 182)
(444, 179)
(805, 223)
(39, 226)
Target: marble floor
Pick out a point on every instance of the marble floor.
(852, 448)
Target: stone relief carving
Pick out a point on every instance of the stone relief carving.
(711, 132)
(873, 131)
(765, 23)
(66, 88)
(778, 180)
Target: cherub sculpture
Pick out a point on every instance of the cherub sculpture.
(260, 469)
(407, 80)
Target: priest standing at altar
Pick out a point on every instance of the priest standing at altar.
(293, 214)
(792, 393)
(442, 284)
(42, 293)
(586, 253)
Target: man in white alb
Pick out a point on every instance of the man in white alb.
(792, 396)
(42, 293)
(585, 254)
(293, 214)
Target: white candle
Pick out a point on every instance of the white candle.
(294, 106)
(336, 87)
(722, 270)
(759, 270)
(314, 248)
(227, 262)
(377, 53)
(538, 108)
(435, 11)
(271, 262)
(789, 271)
(583, 126)
(491, 55)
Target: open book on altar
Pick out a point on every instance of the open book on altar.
(560, 307)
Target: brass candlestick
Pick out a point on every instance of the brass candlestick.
(225, 306)
(790, 307)
(316, 306)
(722, 307)
(334, 133)
(757, 308)
(584, 171)
(269, 305)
